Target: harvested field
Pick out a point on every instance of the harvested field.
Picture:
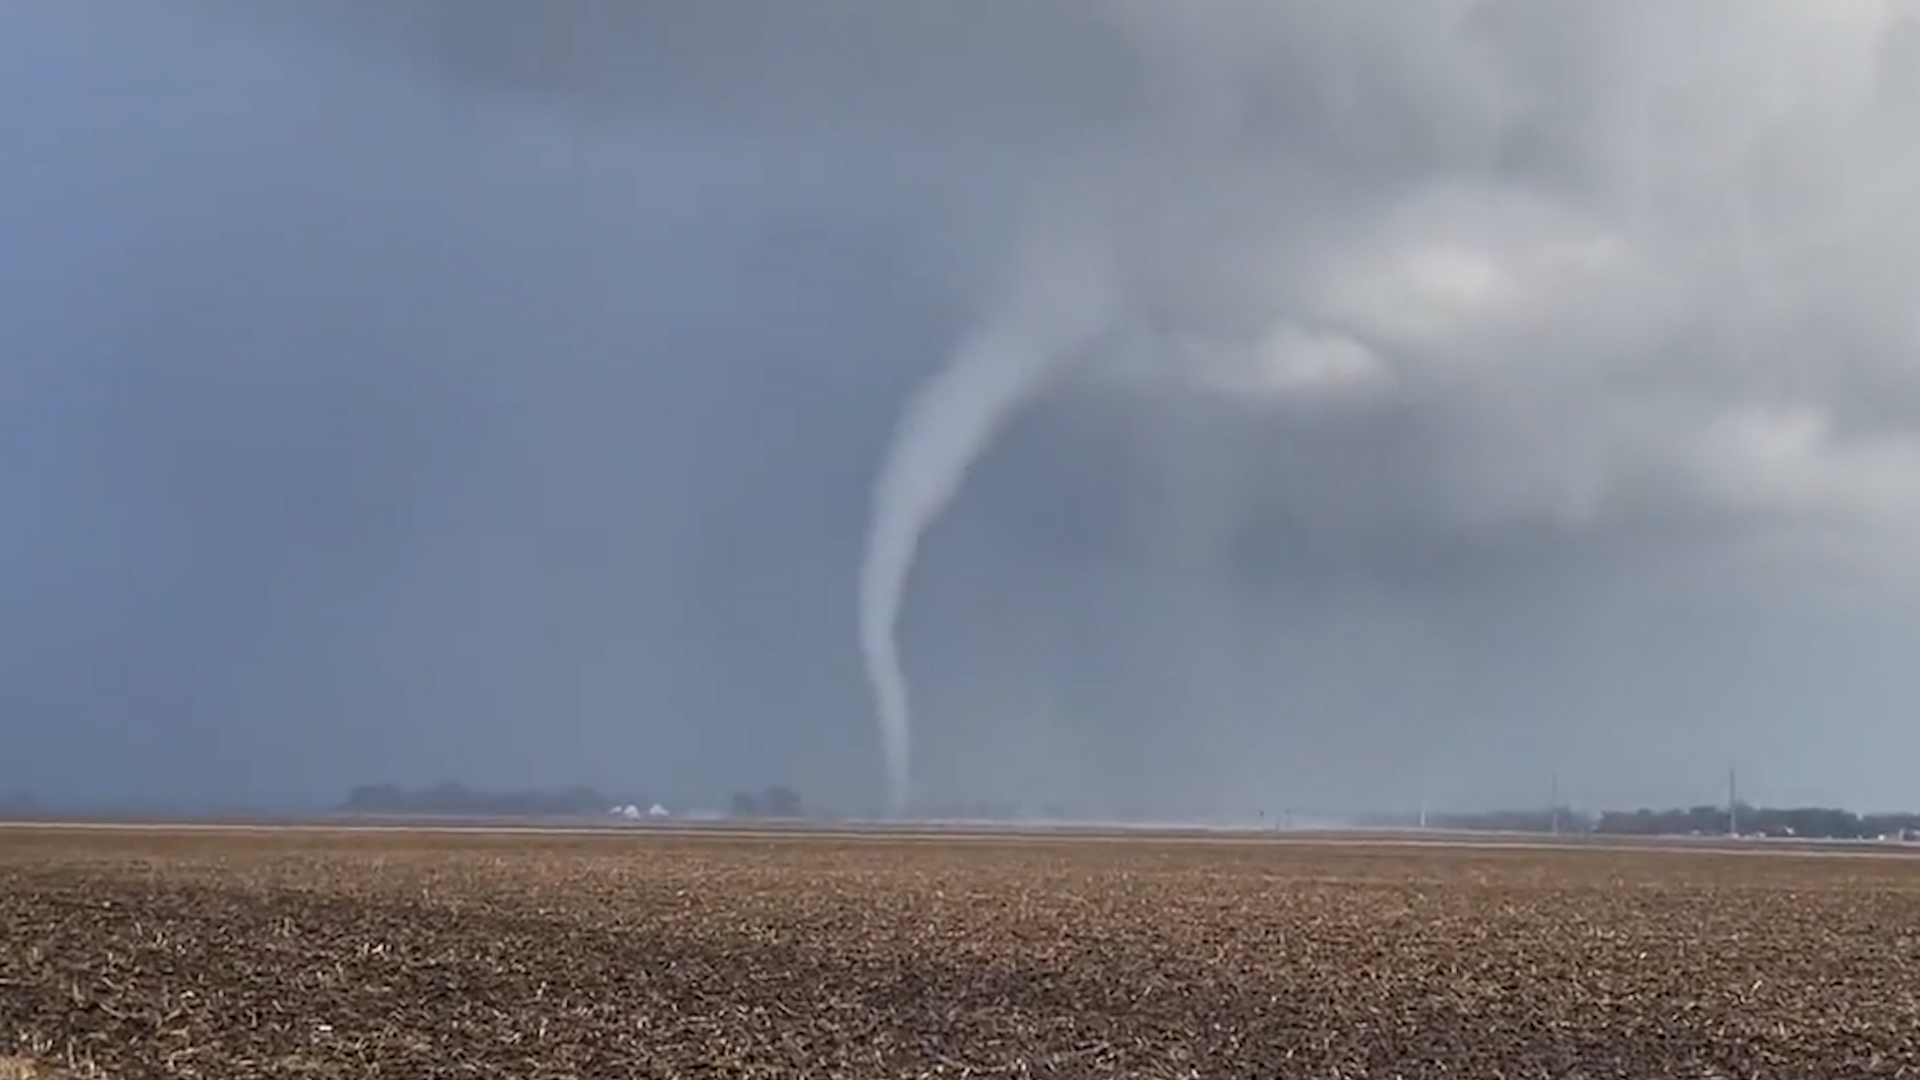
(333, 954)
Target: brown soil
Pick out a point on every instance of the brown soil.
(26, 1068)
(336, 954)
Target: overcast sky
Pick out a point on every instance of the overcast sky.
(494, 391)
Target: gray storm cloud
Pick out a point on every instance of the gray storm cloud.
(1415, 364)
(1618, 260)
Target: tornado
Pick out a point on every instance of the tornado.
(1057, 299)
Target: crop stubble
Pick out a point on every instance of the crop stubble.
(334, 954)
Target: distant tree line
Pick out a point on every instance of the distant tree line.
(1819, 823)
(774, 802)
(1815, 822)
(459, 800)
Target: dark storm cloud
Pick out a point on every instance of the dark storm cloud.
(493, 390)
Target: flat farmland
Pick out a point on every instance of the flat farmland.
(353, 953)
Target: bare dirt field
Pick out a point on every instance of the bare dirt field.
(317, 953)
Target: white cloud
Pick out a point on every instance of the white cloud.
(1692, 295)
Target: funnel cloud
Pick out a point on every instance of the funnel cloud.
(1222, 407)
(1057, 299)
